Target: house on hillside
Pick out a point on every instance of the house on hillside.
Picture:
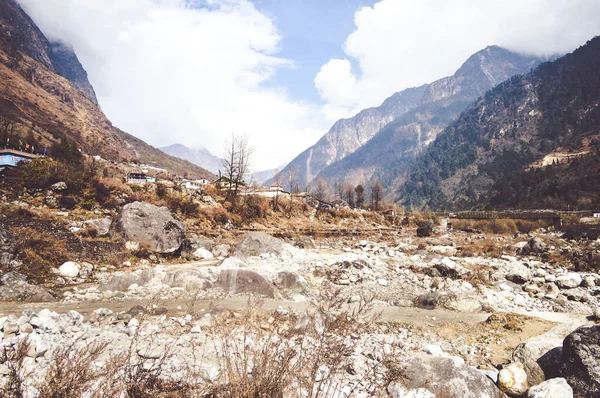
(194, 185)
(11, 157)
(139, 178)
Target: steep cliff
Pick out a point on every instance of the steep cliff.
(36, 101)
(388, 155)
(533, 141)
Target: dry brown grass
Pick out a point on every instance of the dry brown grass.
(501, 226)
(39, 251)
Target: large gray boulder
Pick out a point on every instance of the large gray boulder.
(581, 361)
(257, 243)
(236, 281)
(14, 287)
(553, 388)
(444, 378)
(100, 225)
(541, 355)
(150, 225)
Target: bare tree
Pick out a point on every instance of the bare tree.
(293, 184)
(322, 190)
(236, 163)
(349, 194)
(376, 194)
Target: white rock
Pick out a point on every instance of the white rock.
(69, 269)
(569, 280)
(202, 254)
(383, 282)
(512, 379)
(552, 388)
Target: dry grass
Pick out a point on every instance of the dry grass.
(39, 251)
(501, 226)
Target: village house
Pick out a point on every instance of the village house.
(139, 178)
(11, 157)
(194, 185)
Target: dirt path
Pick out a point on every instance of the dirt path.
(412, 316)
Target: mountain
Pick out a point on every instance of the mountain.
(347, 135)
(198, 156)
(37, 102)
(388, 155)
(533, 141)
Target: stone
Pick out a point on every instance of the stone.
(14, 287)
(518, 276)
(236, 281)
(512, 379)
(569, 280)
(59, 186)
(148, 224)
(449, 268)
(86, 270)
(541, 355)
(425, 229)
(69, 269)
(581, 361)
(291, 281)
(553, 388)
(396, 390)
(202, 254)
(534, 246)
(100, 225)
(442, 377)
(383, 282)
(257, 243)
(103, 311)
(589, 281)
(221, 250)
(192, 280)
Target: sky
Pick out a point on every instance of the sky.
(283, 71)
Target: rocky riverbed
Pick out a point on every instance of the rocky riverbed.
(449, 323)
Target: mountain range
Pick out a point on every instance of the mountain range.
(45, 94)
(379, 142)
(533, 141)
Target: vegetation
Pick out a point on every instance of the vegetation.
(481, 160)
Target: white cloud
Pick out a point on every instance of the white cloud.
(403, 43)
(185, 71)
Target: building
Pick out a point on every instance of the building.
(195, 185)
(139, 178)
(596, 215)
(11, 157)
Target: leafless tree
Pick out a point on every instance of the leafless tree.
(322, 190)
(349, 194)
(236, 163)
(293, 186)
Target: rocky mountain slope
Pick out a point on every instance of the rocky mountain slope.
(35, 100)
(347, 135)
(533, 141)
(388, 155)
(198, 156)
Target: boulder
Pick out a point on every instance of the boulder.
(101, 225)
(449, 268)
(202, 254)
(541, 355)
(425, 228)
(236, 281)
(69, 269)
(519, 276)
(569, 281)
(291, 281)
(443, 377)
(257, 243)
(150, 225)
(534, 246)
(59, 186)
(221, 250)
(553, 388)
(581, 361)
(191, 280)
(14, 287)
(512, 379)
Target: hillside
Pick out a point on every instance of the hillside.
(347, 135)
(532, 141)
(388, 155)
(198, 156)
(37, 104)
